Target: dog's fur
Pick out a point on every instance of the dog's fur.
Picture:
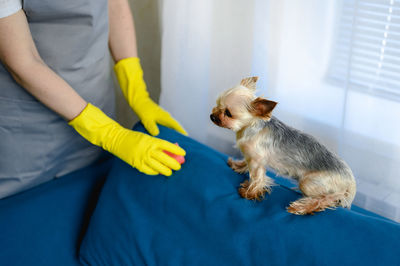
(325, 180)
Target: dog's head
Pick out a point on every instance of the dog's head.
(238, 107)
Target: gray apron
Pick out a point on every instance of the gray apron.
(36, 144)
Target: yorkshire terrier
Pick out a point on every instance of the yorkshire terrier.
(325, 180)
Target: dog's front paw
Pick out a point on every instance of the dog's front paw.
(239, 166)
(250, 192)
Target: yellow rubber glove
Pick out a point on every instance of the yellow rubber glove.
(130, 77)
(137, 149)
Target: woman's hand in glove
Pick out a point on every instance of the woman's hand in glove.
(141, 151)
(130, 77)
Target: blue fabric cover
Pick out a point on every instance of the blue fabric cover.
(196, 217)
(45, 225)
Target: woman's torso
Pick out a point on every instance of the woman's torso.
(36, 144)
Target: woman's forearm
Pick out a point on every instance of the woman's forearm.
(122, 36)
(49, 88)
(19, 55)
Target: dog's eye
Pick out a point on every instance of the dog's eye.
(227, 113)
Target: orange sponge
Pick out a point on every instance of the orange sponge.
(179, 158)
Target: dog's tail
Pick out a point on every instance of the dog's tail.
(309, 205)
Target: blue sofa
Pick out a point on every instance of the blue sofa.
(111, 214)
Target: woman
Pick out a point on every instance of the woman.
(54, 83)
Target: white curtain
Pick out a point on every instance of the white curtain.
(209, 46)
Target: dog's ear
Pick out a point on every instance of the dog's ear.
(262, 108)
(249, 83)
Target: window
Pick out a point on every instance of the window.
(366, 55)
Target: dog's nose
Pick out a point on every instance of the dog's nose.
(214, 118)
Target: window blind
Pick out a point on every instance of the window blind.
(366, 53)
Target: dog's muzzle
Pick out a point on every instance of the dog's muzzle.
(215, 119)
